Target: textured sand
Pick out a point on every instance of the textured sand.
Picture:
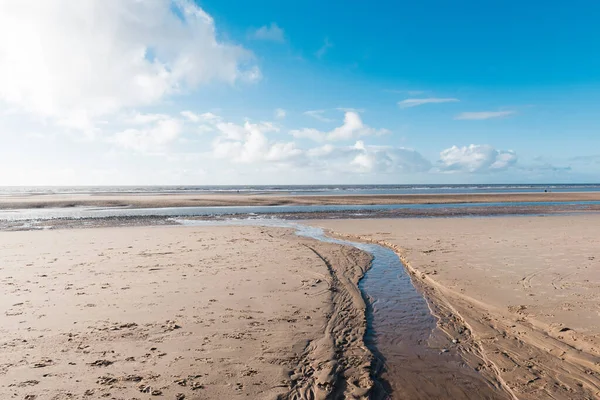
(522, 294)
(188, 200)
(180, 312)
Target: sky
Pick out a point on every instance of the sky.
(208, 92)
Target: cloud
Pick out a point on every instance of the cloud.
(190, 116)
(309, 133)
(387, 159)
(323, 49)
(54, 63)
(271, 33)
(353, 127)
(152, 138)
(318, 115)
(141, 119)
(366, 159)
(430, 100)
(483, 115)
(280, 113)
(476, 159)
(249, 143)
(204, 117)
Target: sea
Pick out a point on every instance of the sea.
(307, 190)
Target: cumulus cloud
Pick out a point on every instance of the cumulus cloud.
(154, 137)
(483, 115)
(271, 33)
(258, 143)
(419, 102)
(248, 143)
(476, 158)
(366, 159)
(60, 58)
(387, 159)
(353, 127)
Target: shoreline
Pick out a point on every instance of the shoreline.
(205, 200)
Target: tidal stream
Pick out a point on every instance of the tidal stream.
(409, 364)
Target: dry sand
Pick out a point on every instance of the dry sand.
(521, 294)
(180, 312)
(201, 200)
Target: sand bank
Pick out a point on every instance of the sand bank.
(180, 312)
(520, 295)
(187, 200)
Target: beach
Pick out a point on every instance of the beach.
(520, 295)
(91, 310)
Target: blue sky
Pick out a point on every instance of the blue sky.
(229, 92)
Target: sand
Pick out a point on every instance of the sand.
(180, 313)
(189, 200)
(520, 294)
(249, 312)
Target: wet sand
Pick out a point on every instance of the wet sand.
(180, 312)
(520, 295)
(187, 200)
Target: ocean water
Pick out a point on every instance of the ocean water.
(300, 189)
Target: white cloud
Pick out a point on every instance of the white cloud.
(366, 159)
(387, 159)
(190, 116)
(430, 100)
(309, 133)
(476, 159)
(352, 128)
(60, 58)
(483, 115)
(280, 113)
(152, 138)
(209, 117)
(138, 118)
(317, 152)
(249, 143)
(318, 115)
(271, 33)
(324, 48)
